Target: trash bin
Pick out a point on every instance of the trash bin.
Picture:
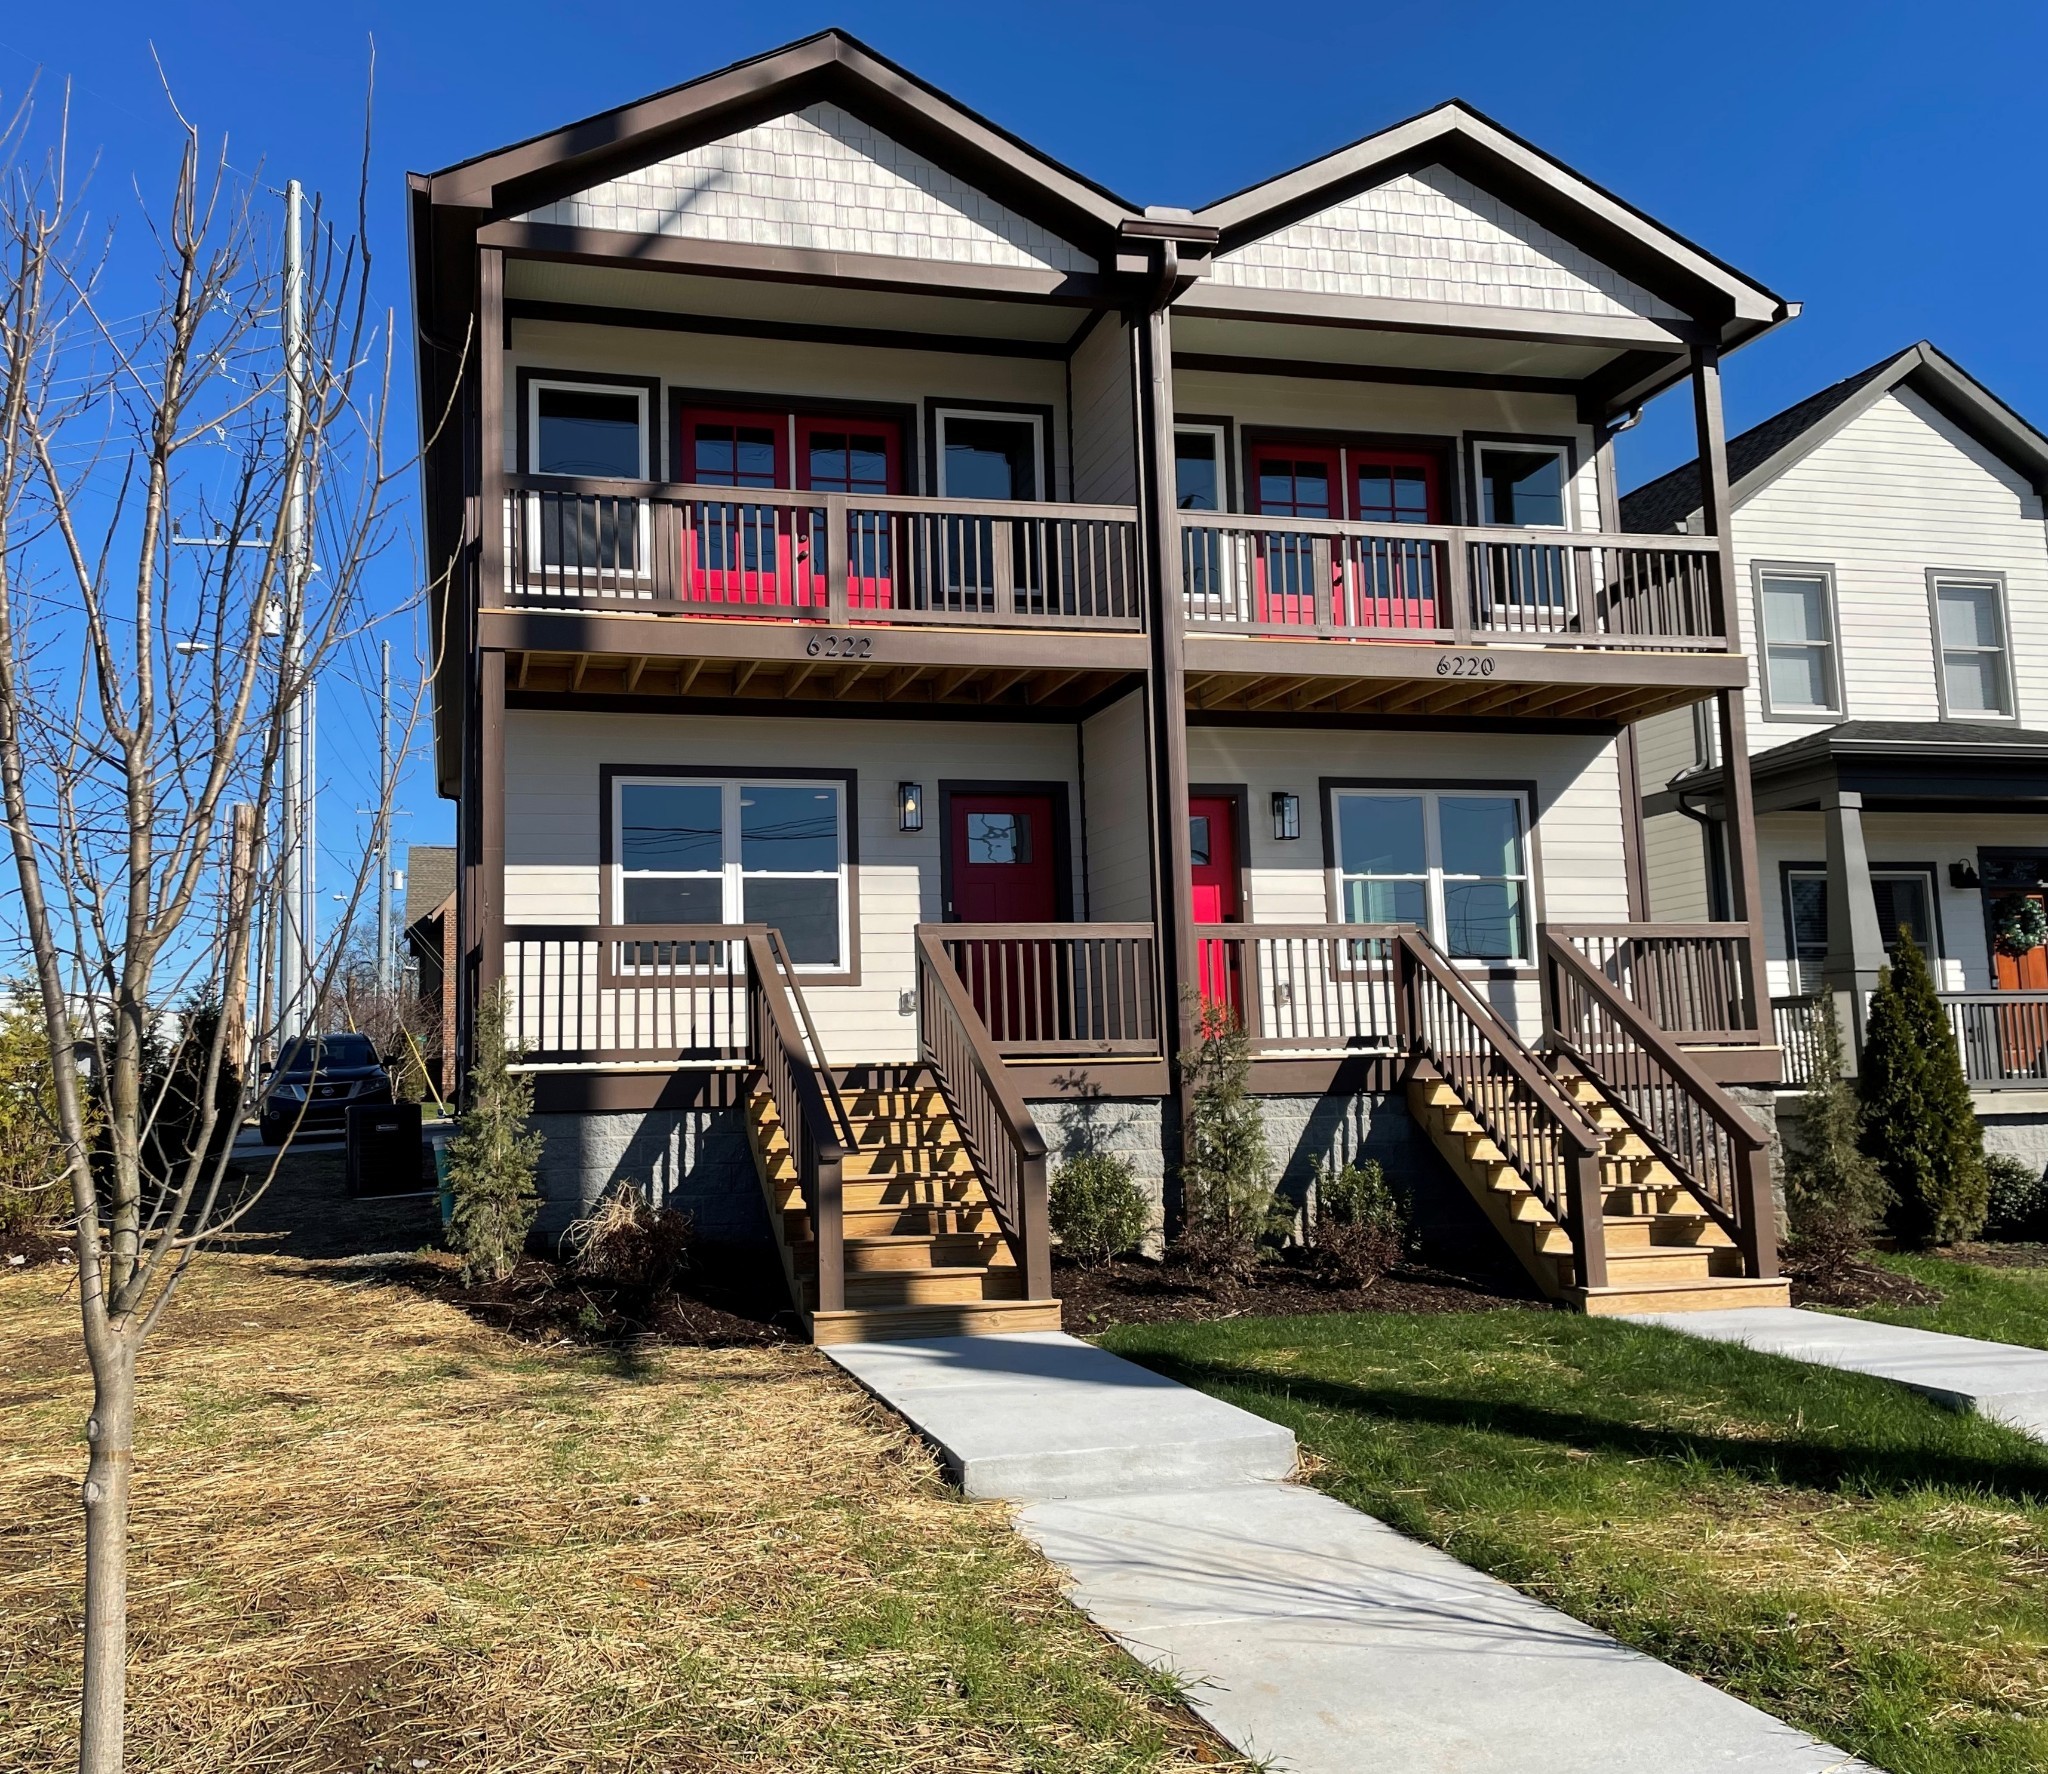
(384, 1149)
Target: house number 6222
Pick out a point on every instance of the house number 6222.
(1464, 665)
(840, 646)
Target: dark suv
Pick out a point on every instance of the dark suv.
(317, 1082)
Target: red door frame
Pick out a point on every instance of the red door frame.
(1394, 588)
(769, 579)
(1286, 564)
(1015, 986)
(871, 544)
(1220, 891)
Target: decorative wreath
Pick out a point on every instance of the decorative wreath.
(2019, 924)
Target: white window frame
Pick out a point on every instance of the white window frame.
(1568, 479)
(731, 874)
(1837, 707)
(1937, 577)
(643, 569)
(1434, 876)
(1040, 460)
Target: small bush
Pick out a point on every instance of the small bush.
(1835, 1196)
(629, 1244)
(1097, 1208)
(1228, 1208)
(1361, 1227)
(2019, 1200)
(494, 1158)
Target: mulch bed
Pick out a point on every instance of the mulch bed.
(730, 1297)
(1137, 1291)
(1860, 1284)
(1999, 1256)
(29, 1247)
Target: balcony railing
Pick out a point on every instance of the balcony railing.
(831, 558)
(1449, 584)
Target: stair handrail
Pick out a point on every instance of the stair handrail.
(1531, 1113)
(1667, 1098)
(1001, 1135)
(776, 1038)
(842, 1120)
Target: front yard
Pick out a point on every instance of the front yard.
(1998, 1292)
(372, 1534)
(1829, 1548)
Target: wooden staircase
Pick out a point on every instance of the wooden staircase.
(924, 1253)
(1664, 1251)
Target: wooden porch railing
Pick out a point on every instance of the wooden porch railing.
(832, 558)
(2003, 1037)
(1058, 988)
(1304, 988)
(1453, 584)
(1003, 1139)
(1792, 1024)
(1698, 1130)
(583, 993)
(1691, 980)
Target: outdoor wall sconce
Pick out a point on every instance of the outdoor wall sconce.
(1286, 815)
(1963, 874)
(910, 807)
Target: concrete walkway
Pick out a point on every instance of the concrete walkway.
(2001, 1381)
(1309, 1634)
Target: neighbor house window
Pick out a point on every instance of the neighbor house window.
(1969, 623)
(588, 431)
(744, 851)
(1455, 862)
(1905, 908)
(1795, 612)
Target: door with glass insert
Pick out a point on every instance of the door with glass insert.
(1300, 481)
(860, 458)
(735, 552)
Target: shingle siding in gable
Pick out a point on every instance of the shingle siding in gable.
(1431, 236)
(822, 180)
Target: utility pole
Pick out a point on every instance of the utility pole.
(386, 977)
(295, 931)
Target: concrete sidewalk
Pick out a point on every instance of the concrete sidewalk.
(2002, 1381)
(1309, 1634)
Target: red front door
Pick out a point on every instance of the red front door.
(1218, 895)
(1393, 582)
(735, 553)
(1293, 480)
(1004, 870)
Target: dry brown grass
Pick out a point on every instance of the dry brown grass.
(371, 1534)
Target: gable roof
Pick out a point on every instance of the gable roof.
(1472, 146)
(1761, 454)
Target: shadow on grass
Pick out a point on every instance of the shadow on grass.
(1813, 1465)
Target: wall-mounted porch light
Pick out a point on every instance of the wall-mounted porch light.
(910, 807)
(1286, 815)
(1964, 874)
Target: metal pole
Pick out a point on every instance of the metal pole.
(294, 932)
(385, 980)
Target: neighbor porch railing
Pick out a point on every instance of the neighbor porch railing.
(2002, 1037)
(833, 558)
(1450, 584)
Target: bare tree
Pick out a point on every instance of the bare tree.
(145, 693)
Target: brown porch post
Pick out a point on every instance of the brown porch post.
(1717, 511)
(490, 926)
(1166, 690)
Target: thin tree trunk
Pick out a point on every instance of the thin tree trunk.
(111, 1431)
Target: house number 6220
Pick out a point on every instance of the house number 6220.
(840, 646)
(1464, 665)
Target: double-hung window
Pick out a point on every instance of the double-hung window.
(1795, 612)
(748, 850)
(1969, 624)
(1905, 908)
(1454, 861)
(588, 431)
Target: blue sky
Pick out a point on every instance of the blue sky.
(1881, 163)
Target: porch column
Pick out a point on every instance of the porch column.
(490, 924)
(1855, 943)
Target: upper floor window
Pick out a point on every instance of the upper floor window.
(987, 455)
(693, 850)
(1970, 640)
(588, 431)
(1522, 485)
(1198, 467)
(1795, 614)
(1454, 862)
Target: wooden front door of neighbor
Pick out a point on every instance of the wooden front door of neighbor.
(1218, 895)
(2022, 1025)
(1003, 867)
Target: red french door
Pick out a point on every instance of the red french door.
(859, 457)
(1292, 480)
(1003, 868)
(1218, 896)
(737, 553)
(1394, 583)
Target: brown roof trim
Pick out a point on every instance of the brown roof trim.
(1457, 135)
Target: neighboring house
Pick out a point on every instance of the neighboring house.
(1890, 544)
(920, 625)
(430, 935)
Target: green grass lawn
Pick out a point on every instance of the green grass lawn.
(2006, 1305)
(1830, 1548)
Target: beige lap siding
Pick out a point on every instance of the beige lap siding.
(1119, 813)
(1577, 856)
(553, 809)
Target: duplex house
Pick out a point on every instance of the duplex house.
(920, 632)
(1893, 562)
